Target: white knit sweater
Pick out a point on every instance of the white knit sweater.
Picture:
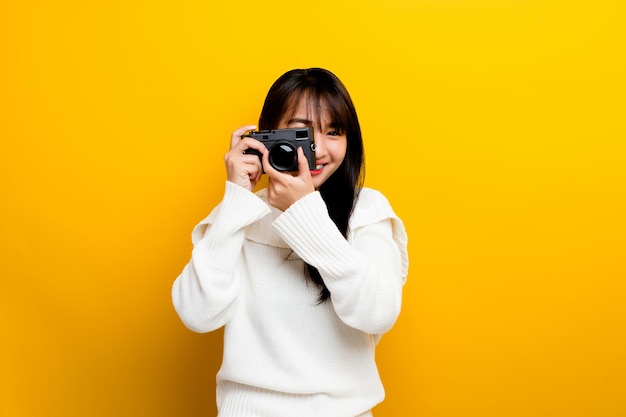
(286, 355)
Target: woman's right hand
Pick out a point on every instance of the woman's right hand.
(242, 169)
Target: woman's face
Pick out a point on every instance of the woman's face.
(330, 142)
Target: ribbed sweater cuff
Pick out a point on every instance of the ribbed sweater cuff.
(247, 205)
(239, 208)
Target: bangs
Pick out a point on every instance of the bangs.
(323, 108)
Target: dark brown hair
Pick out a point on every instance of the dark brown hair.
(319, 86)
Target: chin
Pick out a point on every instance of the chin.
(317, 183)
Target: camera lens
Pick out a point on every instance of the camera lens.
(283, 157)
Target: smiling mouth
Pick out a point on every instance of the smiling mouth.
(318, 169)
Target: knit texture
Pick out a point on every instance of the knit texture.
(285, 354)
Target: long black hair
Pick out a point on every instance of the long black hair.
(321, 87)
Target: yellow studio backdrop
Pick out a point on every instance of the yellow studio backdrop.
(495, 127)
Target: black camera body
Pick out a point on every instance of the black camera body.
(283, 145)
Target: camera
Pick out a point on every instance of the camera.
(283, 145)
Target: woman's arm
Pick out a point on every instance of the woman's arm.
(206, 290)
(365, 275)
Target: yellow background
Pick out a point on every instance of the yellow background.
(495, 127)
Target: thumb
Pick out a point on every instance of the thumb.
(303, 164)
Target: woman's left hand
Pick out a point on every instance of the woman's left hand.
(286, 188)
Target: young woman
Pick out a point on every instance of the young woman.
(306, 274)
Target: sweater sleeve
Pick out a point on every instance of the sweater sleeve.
(206, 290)
(365, 273)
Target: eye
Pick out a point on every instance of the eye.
(334, 133)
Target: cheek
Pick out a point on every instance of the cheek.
(338, 150)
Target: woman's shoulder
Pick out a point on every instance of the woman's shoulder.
(372, 206)
(371, 193)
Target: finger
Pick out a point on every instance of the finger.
(303, 164)
(255, 171)
(237, 134)
(267, 167)
(250, 159)
(249, 143)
